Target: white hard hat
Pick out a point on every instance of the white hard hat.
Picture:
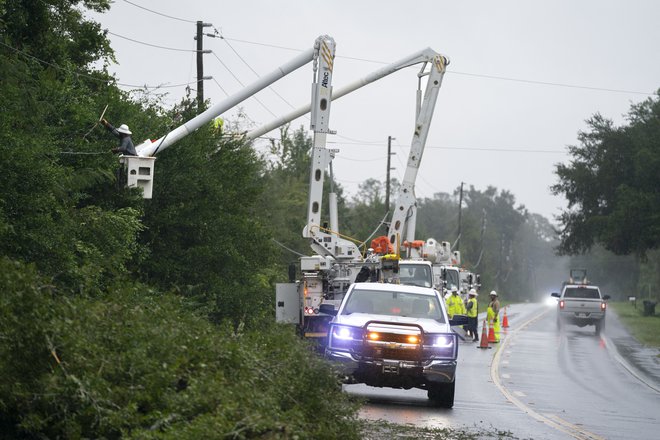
(492, 292)
(454, 289)
(123, 129)
(473, 292)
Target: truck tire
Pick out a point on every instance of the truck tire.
(600, 325)
(442, 394)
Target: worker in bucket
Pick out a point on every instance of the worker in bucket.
(472, 313)
(126, 146)
(493, 314)
(455, 304)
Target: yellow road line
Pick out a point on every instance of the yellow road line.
(551, 420)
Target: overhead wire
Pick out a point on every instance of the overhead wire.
(152, 45)
(88, 76)
(159, 13)
(477, 75)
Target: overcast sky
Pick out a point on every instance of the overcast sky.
(498, 121)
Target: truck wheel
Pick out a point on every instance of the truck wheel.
(600, 325)
(442, 394)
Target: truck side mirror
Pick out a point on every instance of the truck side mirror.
(555, 294)
(606, 297)
(458, 320)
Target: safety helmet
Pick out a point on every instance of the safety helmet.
(123, 129)
(473, 292)
(492, 292)
(454, 289)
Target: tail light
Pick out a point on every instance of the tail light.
(561, 304)
(603, 306)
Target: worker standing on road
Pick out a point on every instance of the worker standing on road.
(494, 313)
(472, 312)
(455, 304)
(126, 146)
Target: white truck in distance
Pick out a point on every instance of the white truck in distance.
(581, 305)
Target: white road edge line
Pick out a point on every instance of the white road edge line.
(625, 364)
(551, 420)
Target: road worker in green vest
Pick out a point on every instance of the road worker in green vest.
(472, 312)
(493, 314)
(455, 305)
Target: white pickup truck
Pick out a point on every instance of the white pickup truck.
(397, 336)
(581, 305)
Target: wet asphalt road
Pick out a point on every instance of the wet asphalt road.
(541, 383)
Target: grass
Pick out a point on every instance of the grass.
(646, 329)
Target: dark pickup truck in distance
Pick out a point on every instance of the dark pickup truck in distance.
(581, 305)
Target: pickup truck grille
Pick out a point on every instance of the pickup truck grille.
(397, 342)
(392, 353)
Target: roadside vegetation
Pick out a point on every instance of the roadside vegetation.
(646, 329)
(127, 318)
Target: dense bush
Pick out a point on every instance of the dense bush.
(134, 364)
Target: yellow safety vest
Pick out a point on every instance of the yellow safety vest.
(455, 306)
(474, 311)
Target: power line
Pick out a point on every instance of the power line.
(546, 83)
(152, 45)
(502, 78)
(85, 75)
(241, 83)
(159, 13)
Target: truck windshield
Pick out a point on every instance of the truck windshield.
(581, 292)
(452, 279)
(384, 302)
(415, 275)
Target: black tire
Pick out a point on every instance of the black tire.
(600, 325)
(442, 394)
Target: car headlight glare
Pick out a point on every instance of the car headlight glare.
(443, 341)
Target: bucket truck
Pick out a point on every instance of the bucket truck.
(327, 275)
(140, 168)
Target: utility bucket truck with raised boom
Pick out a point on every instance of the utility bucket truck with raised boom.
(337, 263)
(140, 168)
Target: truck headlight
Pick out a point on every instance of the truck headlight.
(441, 346)
(344, 336)
(443, 341)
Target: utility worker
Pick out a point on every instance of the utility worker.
(472, 312)
(455, 304)
(126, 146)
(493, 314)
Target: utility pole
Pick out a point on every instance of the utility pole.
(200, 64)
(460, 206)
(387, 179)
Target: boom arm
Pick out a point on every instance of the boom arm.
(423, 56)
(148, 148)
(405, 210)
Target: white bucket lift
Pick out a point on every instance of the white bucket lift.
(139, 173)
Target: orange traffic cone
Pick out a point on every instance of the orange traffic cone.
(491, 333)
(484, 336)
(505, 320)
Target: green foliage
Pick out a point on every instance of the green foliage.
(55, 30)
(645, 329)
(203, 225)
(133, 364)
(611, 185)
(55, 202)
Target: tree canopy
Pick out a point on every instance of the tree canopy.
(611, 185)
